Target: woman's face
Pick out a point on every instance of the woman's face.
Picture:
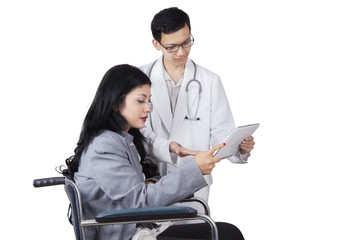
(136, 107)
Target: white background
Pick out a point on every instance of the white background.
(292, 66)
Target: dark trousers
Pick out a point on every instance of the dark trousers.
(201, 231)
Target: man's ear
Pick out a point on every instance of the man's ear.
(156, 44)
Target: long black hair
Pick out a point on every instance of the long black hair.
(117, 82)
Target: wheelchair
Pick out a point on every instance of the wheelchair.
(125, 216)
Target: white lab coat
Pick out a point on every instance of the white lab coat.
(214, 127)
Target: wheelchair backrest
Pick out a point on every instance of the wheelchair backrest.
(76, 211)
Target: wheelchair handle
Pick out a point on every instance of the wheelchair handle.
(45, 182)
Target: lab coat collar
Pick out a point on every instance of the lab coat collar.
(161, 100)
(160, 97)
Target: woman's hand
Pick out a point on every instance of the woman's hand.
(179, 150)
(247, 145)
(206, 160)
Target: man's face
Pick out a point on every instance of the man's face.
(179, 57)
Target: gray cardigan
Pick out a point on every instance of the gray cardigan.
(110, 177)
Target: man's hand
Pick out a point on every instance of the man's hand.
(179, 150)
(247, 145)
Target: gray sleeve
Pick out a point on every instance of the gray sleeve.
(118, 177)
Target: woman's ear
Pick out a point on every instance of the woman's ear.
(115, 108)
(156, 44)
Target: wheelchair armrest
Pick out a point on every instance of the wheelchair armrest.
(145, 214)
(45, 182)
(199, 200)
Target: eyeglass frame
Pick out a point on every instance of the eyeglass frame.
(192, 41)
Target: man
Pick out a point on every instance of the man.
(190, 108)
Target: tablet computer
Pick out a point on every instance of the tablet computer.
(237, 136)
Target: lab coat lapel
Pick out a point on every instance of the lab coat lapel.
(180, 110)
(160, 96)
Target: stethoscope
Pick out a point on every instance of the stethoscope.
(188, 116)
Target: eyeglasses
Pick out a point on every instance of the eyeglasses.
(188, 43)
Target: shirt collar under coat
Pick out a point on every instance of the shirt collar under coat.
(128, 137)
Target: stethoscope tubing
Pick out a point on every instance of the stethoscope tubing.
(188, 116)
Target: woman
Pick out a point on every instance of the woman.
(108, 160)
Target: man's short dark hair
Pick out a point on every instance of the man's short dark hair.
(169, 21)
